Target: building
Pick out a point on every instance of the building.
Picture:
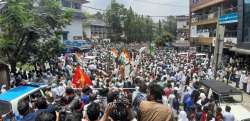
(206, 16)
(73, 34)
(182, 27)
(74, 31)
(95, 29)
(242, 50)
(244, 26)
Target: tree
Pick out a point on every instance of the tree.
(136, 27)
(29, 25)
(114, 16)
(99, 15)
(170, 25)
(166, 37)
(160, 28)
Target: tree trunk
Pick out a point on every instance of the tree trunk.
(13, 66)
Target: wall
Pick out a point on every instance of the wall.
(243, 44)
(87, 31)
(74, 29)
(181, 24)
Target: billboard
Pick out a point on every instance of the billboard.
(229, 18)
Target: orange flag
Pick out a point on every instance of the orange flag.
(80, 78)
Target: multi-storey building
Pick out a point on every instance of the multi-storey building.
(74, 31)
(244, 26)
(242, 50)
(206, 15)
(95, 29)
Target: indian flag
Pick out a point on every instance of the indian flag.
(122, 58)
(114, 53)
(127, 59)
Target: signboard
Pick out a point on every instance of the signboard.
(81, 44)
(229, 18)
(231, 41)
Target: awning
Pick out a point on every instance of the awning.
(239, 50)
(220, 87)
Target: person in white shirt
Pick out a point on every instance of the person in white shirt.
(228, 116)
(182, 116)
(242, 79)
(3, 89)
(248, 84)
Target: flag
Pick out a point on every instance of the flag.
(152, 49)
(80, 78)
(114, 53)
(127, 58)
(122, 58)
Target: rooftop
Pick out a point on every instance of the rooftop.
(200, 4)
(95, 22)
(18, 91)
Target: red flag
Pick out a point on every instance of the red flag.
(86, 79)
(80, 78)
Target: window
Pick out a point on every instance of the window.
(5, 107)
(76, 5)
(65, 35)
(246, 27)
(66, 3)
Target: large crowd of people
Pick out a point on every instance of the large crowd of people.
(160, 87)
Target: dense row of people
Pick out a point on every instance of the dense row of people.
(160, 87)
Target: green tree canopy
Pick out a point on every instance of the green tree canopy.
(123, 21)
(28, 26)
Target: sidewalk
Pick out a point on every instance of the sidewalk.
(246, 97)
(246, 101)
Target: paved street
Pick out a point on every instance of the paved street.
(246, 101)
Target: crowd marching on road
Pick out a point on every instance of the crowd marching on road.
(114, 83)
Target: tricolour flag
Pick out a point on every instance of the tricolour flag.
(127, 58)
(114, 53)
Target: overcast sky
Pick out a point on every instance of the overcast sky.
(146, 7)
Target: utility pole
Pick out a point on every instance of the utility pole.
(220, 30)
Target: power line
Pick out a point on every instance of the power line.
(162, 4)
(97, 9)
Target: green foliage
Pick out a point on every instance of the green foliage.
(166, 31)
(114, 16)
(136, 28)
(170, 25)
(28, 26)
(166, 37)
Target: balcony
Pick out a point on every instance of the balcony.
(205, 19)
(203, 4)
(203, 41)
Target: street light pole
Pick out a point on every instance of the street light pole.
(219, 43)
